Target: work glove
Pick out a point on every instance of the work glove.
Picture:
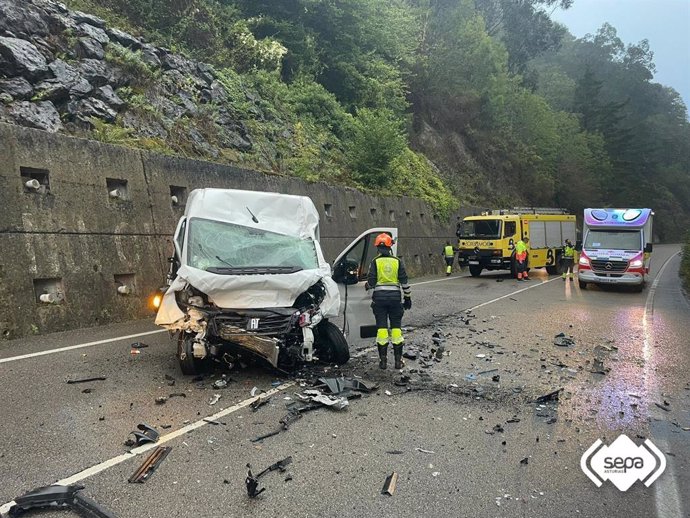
(407, 303)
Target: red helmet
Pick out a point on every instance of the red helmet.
(384, 240)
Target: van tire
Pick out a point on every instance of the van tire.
(475, 270)
(583, 285)
(639, 288)
(330, 344)
(189, 365)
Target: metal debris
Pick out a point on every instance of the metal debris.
(139, 345)
(259, 402)
(421, 450)
(214, 399)
(150, 465)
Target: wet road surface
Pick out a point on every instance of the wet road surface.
(495, 451)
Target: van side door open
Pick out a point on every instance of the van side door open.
(350, 271)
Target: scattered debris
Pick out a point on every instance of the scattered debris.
(259, 402)
(214, 399)
(421, 450)
(253, 392)
(145, 435)
(551, 396)
(525, 461)
(220, 384)
(563, 341)
(388, 393)
(86, 380)
(664, 406)
(61, 497)
(389, 484)
(394, 452)
(139, 345)
(87, 391)
(213, 422)
(150, 465)
(161, 400)
(252, 482)
(177, 394)
(598, 367)
(496, 378)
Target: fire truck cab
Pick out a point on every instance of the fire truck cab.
(487, 241)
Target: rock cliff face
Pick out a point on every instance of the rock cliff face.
(66, 71)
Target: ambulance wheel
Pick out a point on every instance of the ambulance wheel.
(583, 285)
(189, 365)
(475, 270)
(330, 344)
(639, 288)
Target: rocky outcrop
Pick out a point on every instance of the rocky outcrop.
(64, 70)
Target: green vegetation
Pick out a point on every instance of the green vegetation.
(510, 108)
(685, 264)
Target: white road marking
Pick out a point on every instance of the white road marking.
(666, 493)
(79, 346)
(98, 468)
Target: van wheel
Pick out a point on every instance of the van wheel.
(330, 344)
(639, 288)
(583, 285)
(189, 365)
(475, 270)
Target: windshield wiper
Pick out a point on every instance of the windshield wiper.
(253, 270)
(225, 262)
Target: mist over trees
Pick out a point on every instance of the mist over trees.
(475, 101)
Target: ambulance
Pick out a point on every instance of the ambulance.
(616, 248)
(487, 241)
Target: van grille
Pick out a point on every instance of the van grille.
(269, 323)
(600, 265)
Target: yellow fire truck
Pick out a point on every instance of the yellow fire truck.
(487, 242)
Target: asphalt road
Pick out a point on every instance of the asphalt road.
(457, 437)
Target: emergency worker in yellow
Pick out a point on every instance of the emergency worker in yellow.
(387, 276)
(568, 259)
(449, 256)
(521, 251)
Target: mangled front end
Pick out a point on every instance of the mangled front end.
(272, 316)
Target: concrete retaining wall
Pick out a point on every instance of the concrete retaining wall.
(75, 236)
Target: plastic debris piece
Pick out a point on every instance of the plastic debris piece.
(525, 461)
(60, 497)
(551, 396)
(563, 341)
(254, 391)
(86, 380)
(161, 400)
(388, 393)
(220, 384)
(259, 402)
(422, 450)
(143, 435)
(214, 399)
(390, 484)
(139, 345)
(252, 482)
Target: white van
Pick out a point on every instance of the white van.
(616, 247)
(248, 279)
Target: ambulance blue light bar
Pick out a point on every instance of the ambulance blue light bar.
(617, 217)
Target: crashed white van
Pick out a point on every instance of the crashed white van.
(248, 279)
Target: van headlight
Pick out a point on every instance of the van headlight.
(636, 263)
(584, 260)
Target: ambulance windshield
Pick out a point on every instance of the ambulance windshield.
(613, 240)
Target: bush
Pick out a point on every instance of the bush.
(140, 73)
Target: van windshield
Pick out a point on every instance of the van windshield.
(223, 247)
(613, 240)
(482, 228)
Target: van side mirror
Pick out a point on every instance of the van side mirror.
(648, 248)
(578, 245)
(346, 272)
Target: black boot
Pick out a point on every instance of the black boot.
(383, 356)
(397, 354)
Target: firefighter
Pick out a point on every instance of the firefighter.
(387, 276)
(568, 259)
(521, 251)
(449, 256)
